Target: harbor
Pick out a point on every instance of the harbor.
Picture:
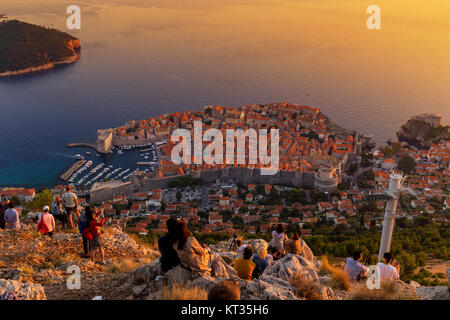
(66, 175)
(120, 163)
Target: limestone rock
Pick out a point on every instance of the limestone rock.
(24, 290)
(433, 293)
(290, 266)
(11, 274)
(221, 268)
(178, 274)
(267, 288)
(147, 273)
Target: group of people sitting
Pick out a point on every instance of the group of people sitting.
(178, 247)
(388, 269)
(249, 265)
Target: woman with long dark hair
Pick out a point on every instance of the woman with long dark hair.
(192, 254)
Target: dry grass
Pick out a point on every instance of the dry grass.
(178, 291)
(306, 288)
(125, 265)
(339, 278)
(68, 257)
(147, 243)
(390, 290)
(27, 269)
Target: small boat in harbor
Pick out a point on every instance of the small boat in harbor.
(79, 157)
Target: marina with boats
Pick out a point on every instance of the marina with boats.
(99, 168)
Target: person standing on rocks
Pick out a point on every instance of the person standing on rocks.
(83, 227)
(70, 201)
(95, 229)
(244, 266)
(169, 257)
(12, 217)
(57, 210)
(46, 224)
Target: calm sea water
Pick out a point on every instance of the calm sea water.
(144, 58)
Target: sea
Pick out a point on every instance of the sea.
(143, 58)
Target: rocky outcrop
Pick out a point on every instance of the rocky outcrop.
(23, 290)
(274, 284)
(419, 130)
(433, 293)
(413, 130)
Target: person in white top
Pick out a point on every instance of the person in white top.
(386, 271)
(46, 224)
(279, 238)
(70, 202)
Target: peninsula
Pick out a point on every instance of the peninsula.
(27, 48)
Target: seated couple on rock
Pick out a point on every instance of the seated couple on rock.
(280, 244)
(252, 265)
(388, 269)
(178, 247)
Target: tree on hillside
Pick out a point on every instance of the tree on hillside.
(43, 198)
(407, 164)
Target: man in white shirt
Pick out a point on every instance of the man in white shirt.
(386, 271)
(70, 202)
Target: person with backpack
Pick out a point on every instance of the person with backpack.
(46, 224)
(70, 202)
(95, 229)
(83, 227)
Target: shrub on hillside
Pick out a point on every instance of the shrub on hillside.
(306, 288)
(339, 278)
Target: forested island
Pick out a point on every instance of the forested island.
(27, 48)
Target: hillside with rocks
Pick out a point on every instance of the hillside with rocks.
(36, 268)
